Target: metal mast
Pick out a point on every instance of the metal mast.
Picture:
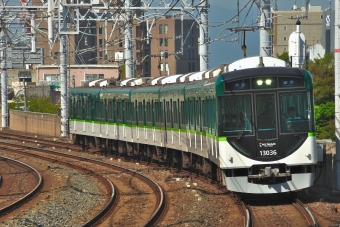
(204, 38)
(128, 46)
(337, 91)
(63, 74)
(265, 26)
(4, 106)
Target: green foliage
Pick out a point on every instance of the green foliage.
(328, 131)
(322, 71)
(35, 104)
(43, 105)
(324, 114)
(284, 56)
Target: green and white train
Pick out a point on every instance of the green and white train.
(229, 123)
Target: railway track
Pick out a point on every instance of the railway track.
(125, 201)
(273, 210)
(176, 198)
(19, 182)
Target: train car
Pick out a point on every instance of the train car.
(248, 124)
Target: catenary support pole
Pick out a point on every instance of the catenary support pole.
(63, 80)
(128, 47)
(3, 69)
(337, 92)
(266, 25)
(204, 38)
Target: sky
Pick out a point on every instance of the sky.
(224, 51)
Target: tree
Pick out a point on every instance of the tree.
(35, 104)
(322, 71)
(284, 56)
(324, 115)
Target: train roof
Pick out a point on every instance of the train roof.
(265, 71)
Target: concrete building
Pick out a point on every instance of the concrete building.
(171, 47)
(328, 30)
(284, 23)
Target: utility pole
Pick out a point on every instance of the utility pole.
(4, 105)
(128, 46)
(204, 37)
(265, 26)
(337, 91)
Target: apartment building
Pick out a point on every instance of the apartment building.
(165, 46)
(284, 23)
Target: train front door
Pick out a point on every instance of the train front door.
(266, 126)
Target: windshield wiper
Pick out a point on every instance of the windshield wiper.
(289, 126)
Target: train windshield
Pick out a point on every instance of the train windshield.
(235, 115)
(296, 112)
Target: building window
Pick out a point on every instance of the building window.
(160, 29)
(161, 54)
(161, 42)
(51, 79)
(284, 38)
(285, 27)
(138, 45)
(167, 67)
(165, 29)
(120, 43)
(147, 67)
(100, 42)
(166, 54)
(138, 31)
(100, 30)
(165, 41)
(284, 49)
(321, 16)
(100, 54)
(94, 76)
(162, 67)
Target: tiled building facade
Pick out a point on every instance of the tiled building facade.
(171, 47)
(284, 24)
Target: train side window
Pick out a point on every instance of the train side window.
(191, 115)
(152, 113)
(155, 112)
(103, 110)
(148, 112)
(118, 111)
(175, 112)
(109, 111)
(96, 110)
(114, 110)
(79, 108)
(182, 113)
(87, 109)
(204, 122)
(127, 111)
(198, 113)
(71, 107)
(132, 110)
(213, 122)
(167, 112)
(136, 112)
(144, 112)
(140, 112)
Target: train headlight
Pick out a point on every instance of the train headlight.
(259, 82)
(268, 81)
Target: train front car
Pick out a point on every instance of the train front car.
(266, 129)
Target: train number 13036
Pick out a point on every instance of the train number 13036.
(268, 152)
